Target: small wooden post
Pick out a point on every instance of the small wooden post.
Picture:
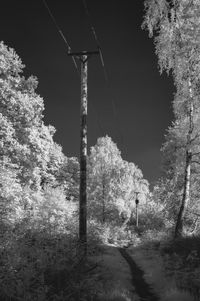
(137, 217)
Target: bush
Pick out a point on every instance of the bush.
(113, 234)
(39, 259)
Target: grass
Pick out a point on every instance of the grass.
(117, 295)
(183, 246)
(182, 261)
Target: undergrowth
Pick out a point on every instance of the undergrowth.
(42, 266)
(40, 258)
(182, 261)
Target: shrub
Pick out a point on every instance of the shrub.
(39, 259)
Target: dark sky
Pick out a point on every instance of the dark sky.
(142, 98)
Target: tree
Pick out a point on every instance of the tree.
(113, 183)
(131, 186)
(103, 164)
(11, 195)
(20, 109)
(28, 152)
(68, 175)
(24, 138)
(176, 25)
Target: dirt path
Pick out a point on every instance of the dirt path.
(143, 289)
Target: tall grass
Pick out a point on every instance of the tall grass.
(182, 261)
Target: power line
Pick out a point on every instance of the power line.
(92, 28)
(99, 124)
(74, 61)
(96, 38)
(60, 33)
(73, 58)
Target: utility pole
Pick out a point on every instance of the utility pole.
(83, 58)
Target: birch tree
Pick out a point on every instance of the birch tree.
(104, 163)
(176, 27)
(113, 184)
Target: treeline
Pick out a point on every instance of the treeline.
(39, 197)
(31, 161)
(34, 163)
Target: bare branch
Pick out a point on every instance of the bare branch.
(195, 137)
(197, 162)
(195, 154)
(197, 214)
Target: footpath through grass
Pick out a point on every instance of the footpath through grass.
(171, 267)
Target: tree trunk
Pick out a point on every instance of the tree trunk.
(186, 196)
(103, 201)
(186, 188)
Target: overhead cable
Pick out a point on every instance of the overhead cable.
(61, 33)
(96, 38)
(104, 68)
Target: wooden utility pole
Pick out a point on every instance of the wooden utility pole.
(83, 57)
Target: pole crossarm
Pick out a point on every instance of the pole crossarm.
(82, 54)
